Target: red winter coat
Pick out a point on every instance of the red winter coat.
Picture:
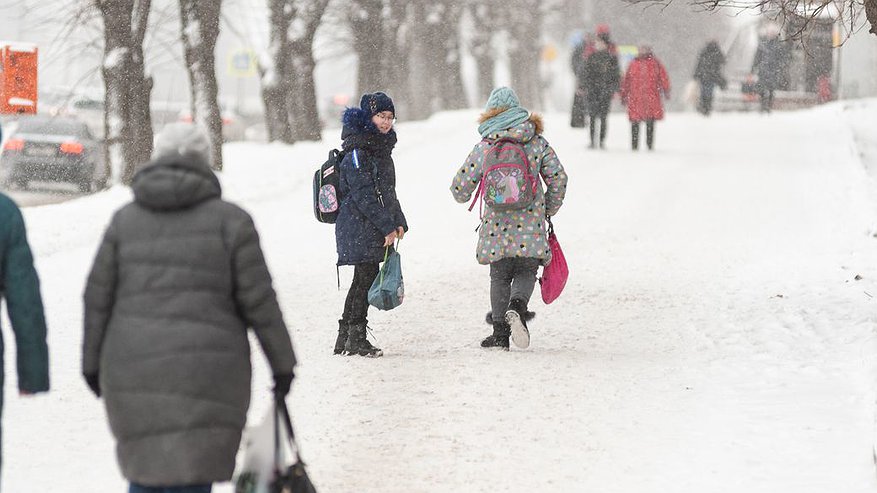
(642, 86)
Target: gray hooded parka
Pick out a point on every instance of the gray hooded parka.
(177, 281)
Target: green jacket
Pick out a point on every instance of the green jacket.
(20, 286)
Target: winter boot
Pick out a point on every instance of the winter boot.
(517, 317)
(499, 338)
(488, 317)
(357, 344)
(342, 337)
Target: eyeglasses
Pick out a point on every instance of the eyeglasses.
(387, 117)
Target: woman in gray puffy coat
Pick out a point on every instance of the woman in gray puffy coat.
(177, 281)
(513, 240)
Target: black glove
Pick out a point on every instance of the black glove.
(282, 382)
(93, 383)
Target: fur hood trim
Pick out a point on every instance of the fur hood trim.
(535, 118)
(357, 120)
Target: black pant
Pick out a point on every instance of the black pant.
(356, 304)
(594, 119)
(650, 134)
(706, 98)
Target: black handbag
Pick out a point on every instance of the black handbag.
(295, 478)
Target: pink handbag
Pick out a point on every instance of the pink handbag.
(555, 274)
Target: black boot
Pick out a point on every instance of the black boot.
(342, 337)
(499, 338)
(517, 317)
(358, 344)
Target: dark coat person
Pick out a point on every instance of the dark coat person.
(370, 217)
(178, 280)
(369, 209)
(708, 73)
(770, 65)
(580, 54)
(20, 287)
(602, 77)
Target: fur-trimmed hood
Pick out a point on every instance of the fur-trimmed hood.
(357, 121)
(534, 118)
(360, 132)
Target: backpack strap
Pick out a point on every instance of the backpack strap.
(479, 193)
(356, 164)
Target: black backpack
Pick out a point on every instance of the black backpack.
(327, 188)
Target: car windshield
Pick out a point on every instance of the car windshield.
(51, 126)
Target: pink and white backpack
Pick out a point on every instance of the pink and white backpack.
(506, 183)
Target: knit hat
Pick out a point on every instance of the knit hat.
(502, 97)
(374, 103)
(503, 111)
(182, 138)
(602, 28)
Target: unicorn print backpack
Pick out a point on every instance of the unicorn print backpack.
(506, 182)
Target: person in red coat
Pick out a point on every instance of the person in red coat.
(643, 86)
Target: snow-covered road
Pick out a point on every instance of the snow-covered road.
(712, 338)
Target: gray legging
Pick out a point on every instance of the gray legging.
(510, 279)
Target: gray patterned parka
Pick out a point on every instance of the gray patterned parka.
(520, 232)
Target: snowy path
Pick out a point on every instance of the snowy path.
(712, 337)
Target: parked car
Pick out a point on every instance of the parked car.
(53, 148)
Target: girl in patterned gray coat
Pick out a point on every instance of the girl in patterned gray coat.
(504, 169)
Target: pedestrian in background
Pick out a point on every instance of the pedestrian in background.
(602, 78)
(642, 89)
(178, 280)
(708, 73)
(580, 55)
(20, 287)
(770, 65)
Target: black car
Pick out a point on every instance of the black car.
(53, 148)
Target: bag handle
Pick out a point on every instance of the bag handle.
(386, 256)
(281, 411)
(550, 225)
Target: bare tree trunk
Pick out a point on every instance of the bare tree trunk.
(419, 63)
(275, 74)
(368, 42)
(303, 111)
(127, 122)
(452, 93)
(303, 108)
(481, 49)
(397, 37)
(434, 57)
(871, 14)
(199, 27)
(524, 50)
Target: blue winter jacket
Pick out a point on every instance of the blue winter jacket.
(369, 208)
(20, 287)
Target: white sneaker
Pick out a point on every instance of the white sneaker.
(520, 335)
